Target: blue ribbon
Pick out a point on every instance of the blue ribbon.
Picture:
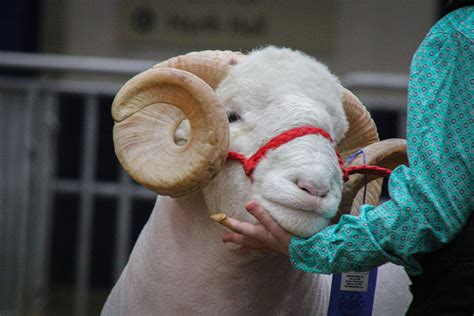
(354, 297)
(354, 155)
(351, 297)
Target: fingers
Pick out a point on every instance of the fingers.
(267, 235)
(245, 228)
(262, 215)
(241, 240)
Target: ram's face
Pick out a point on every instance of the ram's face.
(300, 182)
(172, 136)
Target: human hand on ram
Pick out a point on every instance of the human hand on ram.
(263, 236)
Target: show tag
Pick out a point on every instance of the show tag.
(354, 281)
(352, 293)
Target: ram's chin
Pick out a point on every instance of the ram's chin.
(298, 222)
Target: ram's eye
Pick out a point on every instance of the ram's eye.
(232, 117)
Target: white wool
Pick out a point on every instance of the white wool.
(179, 266)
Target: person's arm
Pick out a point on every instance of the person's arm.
(432, 199)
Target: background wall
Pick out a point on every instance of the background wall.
(369, 35)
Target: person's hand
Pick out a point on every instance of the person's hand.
(267, 235)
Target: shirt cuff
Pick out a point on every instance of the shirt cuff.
(346, 246)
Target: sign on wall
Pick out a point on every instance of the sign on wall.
(308, 25)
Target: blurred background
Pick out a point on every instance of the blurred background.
(69, 215)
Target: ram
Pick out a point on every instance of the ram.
(269, 127)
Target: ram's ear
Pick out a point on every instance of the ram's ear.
(389, 153)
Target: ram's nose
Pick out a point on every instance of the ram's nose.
(313, 188)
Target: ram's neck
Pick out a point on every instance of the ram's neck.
(179, 265)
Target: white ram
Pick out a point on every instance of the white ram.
(179, 266)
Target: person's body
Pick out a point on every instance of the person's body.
(421, 226)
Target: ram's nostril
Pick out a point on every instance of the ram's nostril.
(319, 190)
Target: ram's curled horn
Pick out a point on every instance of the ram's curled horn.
(148, 110)
(362, 134)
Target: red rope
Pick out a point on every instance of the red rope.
(237, 157)
(371, 170)
(251, 163)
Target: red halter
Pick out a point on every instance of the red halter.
(251, 163)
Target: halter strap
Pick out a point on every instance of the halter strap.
(250, 164)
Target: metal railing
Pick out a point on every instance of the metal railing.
(28, 125)
(28, 132)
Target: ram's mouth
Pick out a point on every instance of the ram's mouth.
(302, 218)
(298, 221)
(305, 203)
(291, 206)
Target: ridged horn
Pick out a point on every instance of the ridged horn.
(362, 134)
(362, 129)
(148, 109)
(389, 154)
(210, 66)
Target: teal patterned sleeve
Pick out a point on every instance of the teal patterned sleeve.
(433, 198)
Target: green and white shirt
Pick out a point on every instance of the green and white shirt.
(432, 199)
